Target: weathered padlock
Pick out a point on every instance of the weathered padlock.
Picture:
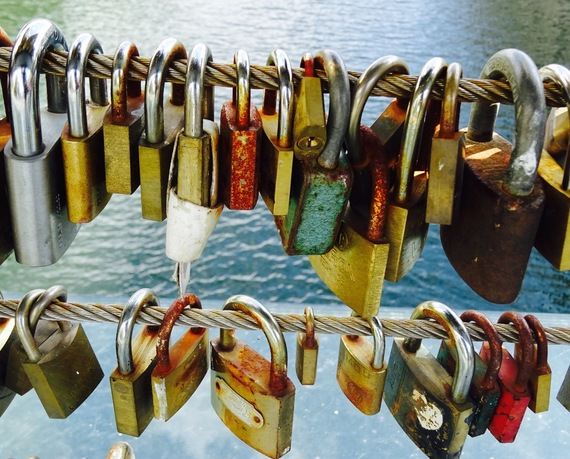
(563, 395)
(8, 336)
(180, 369)
(130, 381)
(252, 396)
(484, 391)
(320, 186)
(82, 136)
(277, 150)
(513, 382)
(491, 237)
(553, 236)
(406, 228)
(36, 189)
(428, 404)
(65, 370)
(445, 159)
(240, 142)
(361, 368)
(307, 351)
(123, 125)
(162, 123)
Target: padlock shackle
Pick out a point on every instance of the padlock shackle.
(33, 41)
(121, 87)
(366, 83)
(140, 299)
(535, 325)
(460, 343)
(379, 342)
(167, 51)
(241, 94)
(5, 41)
(309, 338)
(76, 68)
(199, 99)
(530, 121)
(308, 64)
(450, 107)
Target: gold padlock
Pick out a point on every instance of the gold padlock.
(130, 381)
(307, 351)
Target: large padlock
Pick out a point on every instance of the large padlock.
(64, 371)
(180, 369)
(406, 228)
(123, 125)
(34, 168)
(277, 150)
(82, 136)
(320, 186)
(240, 142)
(307, 351)
(8, 336)
(553, 236)
(162, 123)
(491, 237)
(131, 379)
(361, 368)
(252, 396)
(428, 404)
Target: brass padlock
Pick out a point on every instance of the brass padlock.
(8, 336)
(162, 123)
(307, 351)
(123, 125)
(82, 136)
(361, 368)
(252, 396)
(130, 381)
(180, 369)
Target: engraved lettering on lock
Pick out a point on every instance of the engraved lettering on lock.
(237, 405)
(428, 414)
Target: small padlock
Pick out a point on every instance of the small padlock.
(123, 125)
(428, 404)
(484, 391)
(82, 136)
(130, 381)
(277, 149)
(361, 368)
(563, 395)
(240, 142)
(513, 382)
(491, 237)
(180, 369)
(36, 189)
(121, 450)
(406, 228)
(8, 336)
(65, 370)
(162, 123)
(307, 351)
(252, 396)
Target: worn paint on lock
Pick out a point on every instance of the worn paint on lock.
(243, 410)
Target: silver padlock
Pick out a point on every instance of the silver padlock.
(34, 170)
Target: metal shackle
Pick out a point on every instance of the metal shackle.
(449, 121)
(199, 99)
(379, 342)
(169, 50)
(541, 343)
(35, 38)
(241, 94)
(366, 83)
(121, 87)
(309, 337)
(79, 51)
(140, 299)
(5, 41)
(530, 120)
(286, 112)
(413, 127)
(460, 343)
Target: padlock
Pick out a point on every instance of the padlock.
(320, 186)
(240, 143)
(307, 351)
(180, 369)
(162, 123)
(41, 228)
(445, 159)
(277, 149)
(484, 390)
(406, 228)
(131, 379)
(557, 129)
(82, 136)
(491, 237)
(553, 236)
(123, 125)
(361, 368)
(252, 396)
(513, 382)
(65, 370)
(428, 404)
(8, 336)
(309, 125)
(563, 395)
(121, 450)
